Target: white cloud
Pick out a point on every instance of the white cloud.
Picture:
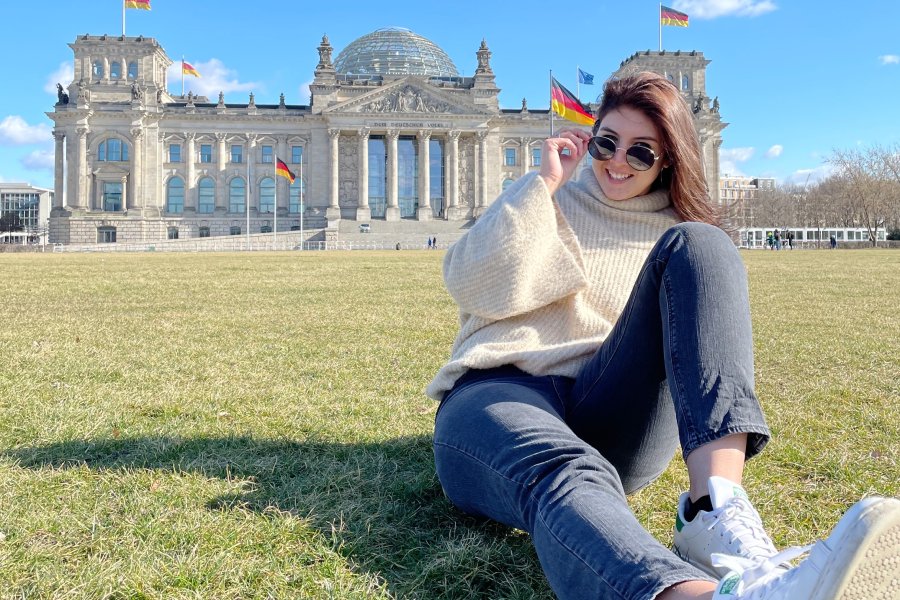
(14, 131)
(304, 93)
(711, 9)
(810, 176)
(63, 75)
(729, 159)
(214, 78)
(775, 151)
(889, 59)
(39, 160)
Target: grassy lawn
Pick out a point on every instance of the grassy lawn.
(253, 425)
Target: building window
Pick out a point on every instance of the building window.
(267, 155)
(436, 175)
(507, 182)
(267, 195)
(407, 176)
(237, 153)
(206, 196)
(294, 205)
(296, 154)
(175, 196)
(535, 157)
(206, 153)
(235, 230)
(377, 176)
(265, 229)
(132, 70)
(237, 194)
(172, 233)
(509, 157)
(106, 235)
(203, 231)
(115, 70)
(174, 153)
(98, 69)
(685, 83)
(112, 196)
(112, 150)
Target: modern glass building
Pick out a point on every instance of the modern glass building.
(391, 132)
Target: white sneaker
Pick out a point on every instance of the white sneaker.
(860, 560)
(733, 527)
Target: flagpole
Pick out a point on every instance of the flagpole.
(578, 82)
(551, 102)
(123, 18)
(301, 198)
(275, 228)
(249, 153)
(182, 75)
(660, 26)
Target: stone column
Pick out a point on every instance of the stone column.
(392, 211)
(526, 156)
(190, 172)
(137, 179)
(124, 181)
(58, 170)
(251, 174)
(481, 173)
(80, 198)
(363, 212)
(333, 212)
(454, 211)
(221, 155)
(424, 213)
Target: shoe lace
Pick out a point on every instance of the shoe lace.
(740, 520)
(760, 576)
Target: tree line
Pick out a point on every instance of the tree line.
(863, 190)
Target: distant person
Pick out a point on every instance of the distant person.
(429, 243)
(604, 324)
(833, 241)
(777, 238)
(398, 246)
(770, 240)
(434, 242)
(790, 239)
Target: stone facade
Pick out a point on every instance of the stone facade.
(135, 160)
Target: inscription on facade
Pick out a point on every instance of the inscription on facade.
(408, 125)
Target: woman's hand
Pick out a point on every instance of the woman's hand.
(556, 165)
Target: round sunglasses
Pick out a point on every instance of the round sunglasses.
(638, 157)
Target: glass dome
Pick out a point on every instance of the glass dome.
(394, 51)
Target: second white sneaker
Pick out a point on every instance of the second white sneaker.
(733, 527)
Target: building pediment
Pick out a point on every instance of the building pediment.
(406, 96)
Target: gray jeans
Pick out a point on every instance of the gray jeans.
(556, 456)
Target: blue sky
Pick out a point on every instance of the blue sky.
(795, 79)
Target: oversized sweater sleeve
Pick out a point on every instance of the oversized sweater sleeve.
(519, 256)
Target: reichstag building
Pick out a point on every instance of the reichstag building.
(392, 132)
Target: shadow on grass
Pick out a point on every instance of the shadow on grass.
(380, 503)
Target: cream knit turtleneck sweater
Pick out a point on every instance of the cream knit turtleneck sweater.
(540, 282)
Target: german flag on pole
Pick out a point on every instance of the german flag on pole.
(188, 69)
(566, 105)
(669, 16)
(282, 169)
(142, 4)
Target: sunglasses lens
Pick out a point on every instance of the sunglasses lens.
(602, 148)
(640, 158)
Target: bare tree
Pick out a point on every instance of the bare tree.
(867, 187)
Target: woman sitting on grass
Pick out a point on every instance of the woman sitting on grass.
(604, 322)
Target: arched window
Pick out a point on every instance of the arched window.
(206, 196)
(98, 69)
(237, 195)
(507, 183)
(112, 150)
(267, 195)
(685, 83)
(294, 203)
(115, 70)
(132, 70)
(175, 196)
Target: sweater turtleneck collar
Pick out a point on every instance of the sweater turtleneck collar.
(652, 202)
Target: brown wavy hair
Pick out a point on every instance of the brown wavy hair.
(659, 99)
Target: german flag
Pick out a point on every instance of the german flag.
(141, 4)
(566, 105)
(282, 169)
(188, 69)
(670, 16)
